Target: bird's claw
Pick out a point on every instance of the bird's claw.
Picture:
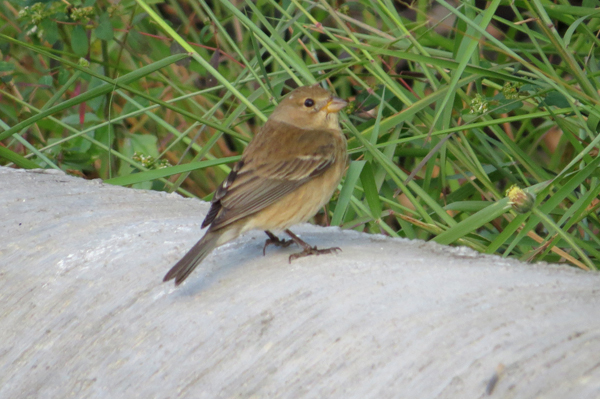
(277, 242)
(313, 251)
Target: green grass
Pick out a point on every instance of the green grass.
(166, 95)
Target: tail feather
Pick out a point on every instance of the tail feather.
(188, 263)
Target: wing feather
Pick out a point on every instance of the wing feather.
(264, 177)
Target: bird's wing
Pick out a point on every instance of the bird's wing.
(266, 173)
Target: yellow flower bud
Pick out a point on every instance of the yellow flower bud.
(521, 201)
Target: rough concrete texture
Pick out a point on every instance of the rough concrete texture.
(84, 313)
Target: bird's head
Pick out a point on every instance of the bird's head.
(310, 107)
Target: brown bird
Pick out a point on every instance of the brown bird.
(287, 173)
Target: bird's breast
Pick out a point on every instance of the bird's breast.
(303, 203)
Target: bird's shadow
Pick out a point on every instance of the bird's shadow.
(225, 260)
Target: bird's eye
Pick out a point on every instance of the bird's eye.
(309, 102)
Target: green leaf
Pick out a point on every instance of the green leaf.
(139, 18)
(74, 119)
(63, 76)
(346, 194)
(45, 80)
(96, 103)
(142, 143)
(467, 206)
(123, 80)
(138, 42)
(371, 194)
(557, 99)
(166, 172)
(79, 41)
(506, 106)
(50, 29)
(17, 159)
(473, 222)
(594, 119)
(6, 66)
(104, 31)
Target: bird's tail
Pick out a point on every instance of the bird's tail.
(188, 263)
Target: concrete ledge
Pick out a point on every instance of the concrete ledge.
(84, 312)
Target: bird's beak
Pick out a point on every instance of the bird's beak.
(335, 105)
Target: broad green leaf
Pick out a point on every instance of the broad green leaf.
(104, 31)
(50, 29)
(79, 41)
(6, 66)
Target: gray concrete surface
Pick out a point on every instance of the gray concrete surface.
(84, 313)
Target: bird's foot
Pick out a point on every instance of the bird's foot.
(274, 240)
(308, 250)
(313, 251)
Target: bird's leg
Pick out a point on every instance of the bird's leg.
(308, 250)
(274, 240)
